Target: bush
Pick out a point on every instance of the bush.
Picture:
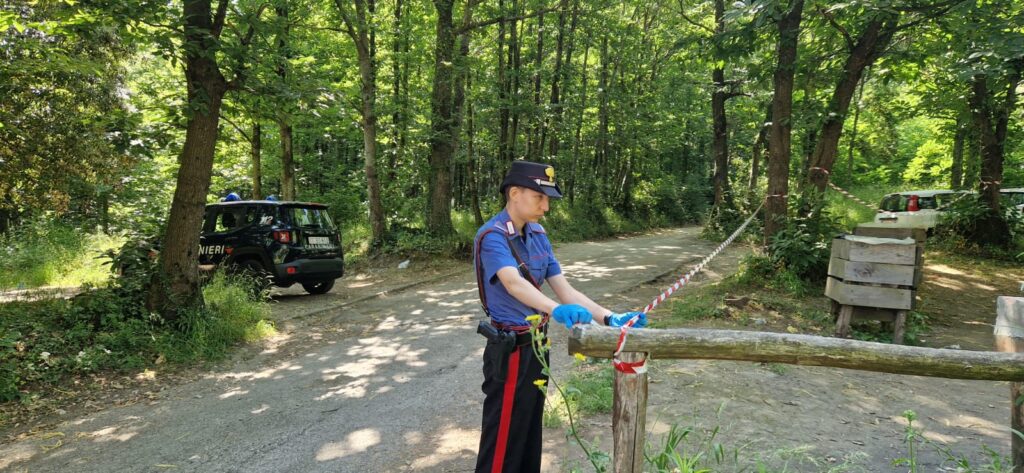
(45, 342)
(50, 252)
(962, 228)
(803, 244)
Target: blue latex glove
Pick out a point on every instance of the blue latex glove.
(618, 320)
(571, 314)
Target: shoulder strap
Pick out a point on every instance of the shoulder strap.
(524, 270)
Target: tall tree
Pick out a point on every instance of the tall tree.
(358, 21)
(176, 285)
(283, 115)
(863, 52)
(439, 220)
(782, 106)
(991, 118)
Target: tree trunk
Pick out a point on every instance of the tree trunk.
(284, 118)
(782, 106)
(554, 126)
(175, 288)
(856, 118)
(956, 178)
(504, 154)
(869, 47)
(439, 221)
(399, 70)
(720, 132)
(515, 50)
(578, 136)
(760, 144)
(991, 122)
(536, 144)
(359, 26)
(474, 179)
(461, 80)
(257, 154)
(600, 164)
(287, 161)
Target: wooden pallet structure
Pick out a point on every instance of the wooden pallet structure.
(873, 277)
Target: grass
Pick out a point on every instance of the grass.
(48, 343)
(54, 254)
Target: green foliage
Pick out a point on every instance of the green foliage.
(914, 438)
(930, 166)
(47, 252)
(962, 225)
(232, 314)
(764, 271)
(42, 343)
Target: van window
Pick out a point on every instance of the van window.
(894, 203)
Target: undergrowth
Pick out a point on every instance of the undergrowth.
(52, 253)
(48, 342)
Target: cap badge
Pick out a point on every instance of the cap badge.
(550, 171)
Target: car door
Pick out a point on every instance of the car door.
(223, 231)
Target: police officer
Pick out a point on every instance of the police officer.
(513, 258)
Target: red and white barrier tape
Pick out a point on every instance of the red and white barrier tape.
(853, 197)
(641, 366)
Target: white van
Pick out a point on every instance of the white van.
(915, 209)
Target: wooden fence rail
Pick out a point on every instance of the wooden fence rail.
(630, 399)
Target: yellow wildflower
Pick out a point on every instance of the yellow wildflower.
(580, 357)
(540, 383)
(533, 319)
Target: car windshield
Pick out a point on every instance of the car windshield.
(311, 217)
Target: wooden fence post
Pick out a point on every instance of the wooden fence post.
(629, 416)
(1009, 334)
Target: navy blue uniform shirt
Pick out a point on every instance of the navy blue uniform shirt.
(533, 248)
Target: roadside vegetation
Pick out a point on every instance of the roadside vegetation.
(58, 345)
(54, 253)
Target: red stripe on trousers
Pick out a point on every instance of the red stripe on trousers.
(506, 411)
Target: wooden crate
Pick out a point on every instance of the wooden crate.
(874, 273)
(874, 278)
(882, 230)
(869, 296)
(876, 250)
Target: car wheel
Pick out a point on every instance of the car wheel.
(318, 287)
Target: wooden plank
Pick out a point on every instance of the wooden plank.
(843, 322)
(869, 296)
(695, 344)
(875, 250)
(629, 417)
(899, 327)
(1009, 333)
(887, 231)
(879, 273)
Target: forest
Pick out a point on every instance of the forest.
(121, 118)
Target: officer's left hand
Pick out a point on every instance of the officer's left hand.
(618, 320)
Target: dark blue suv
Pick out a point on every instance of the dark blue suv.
(289, 242)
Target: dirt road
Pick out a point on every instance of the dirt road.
(391, 383)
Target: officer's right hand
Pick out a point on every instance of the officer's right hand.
(571, 314)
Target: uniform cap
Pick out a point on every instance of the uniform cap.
(536, 176)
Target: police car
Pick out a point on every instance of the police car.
(289, 242)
